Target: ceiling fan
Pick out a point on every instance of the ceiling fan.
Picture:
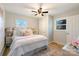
(40, 11)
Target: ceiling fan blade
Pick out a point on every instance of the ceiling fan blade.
(45, 12)
(42, 14)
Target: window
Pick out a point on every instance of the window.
(61, 24)
(21, 23)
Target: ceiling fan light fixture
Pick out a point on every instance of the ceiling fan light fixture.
(40, 11)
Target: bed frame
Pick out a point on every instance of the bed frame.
(31, 53)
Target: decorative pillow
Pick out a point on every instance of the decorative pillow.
(18, 32)
(27, 32)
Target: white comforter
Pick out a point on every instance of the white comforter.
(23, 44)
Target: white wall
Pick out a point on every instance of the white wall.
(63, 36)
(11, 20)
(59, 35)
(46, 25)
(2, 34)
(43, 26)
(72, 28)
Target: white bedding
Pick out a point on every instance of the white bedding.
(24, 44)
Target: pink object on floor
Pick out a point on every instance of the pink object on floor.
(75, 42)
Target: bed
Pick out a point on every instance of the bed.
(27, 45)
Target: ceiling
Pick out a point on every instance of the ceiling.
(53, 8)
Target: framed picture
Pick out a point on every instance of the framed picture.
(61, 24)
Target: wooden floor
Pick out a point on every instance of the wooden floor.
(54, 49)
(6, 51)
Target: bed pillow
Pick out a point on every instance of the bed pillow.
(27, 32)
(19, 31)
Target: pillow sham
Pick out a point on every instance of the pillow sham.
(27, 32)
